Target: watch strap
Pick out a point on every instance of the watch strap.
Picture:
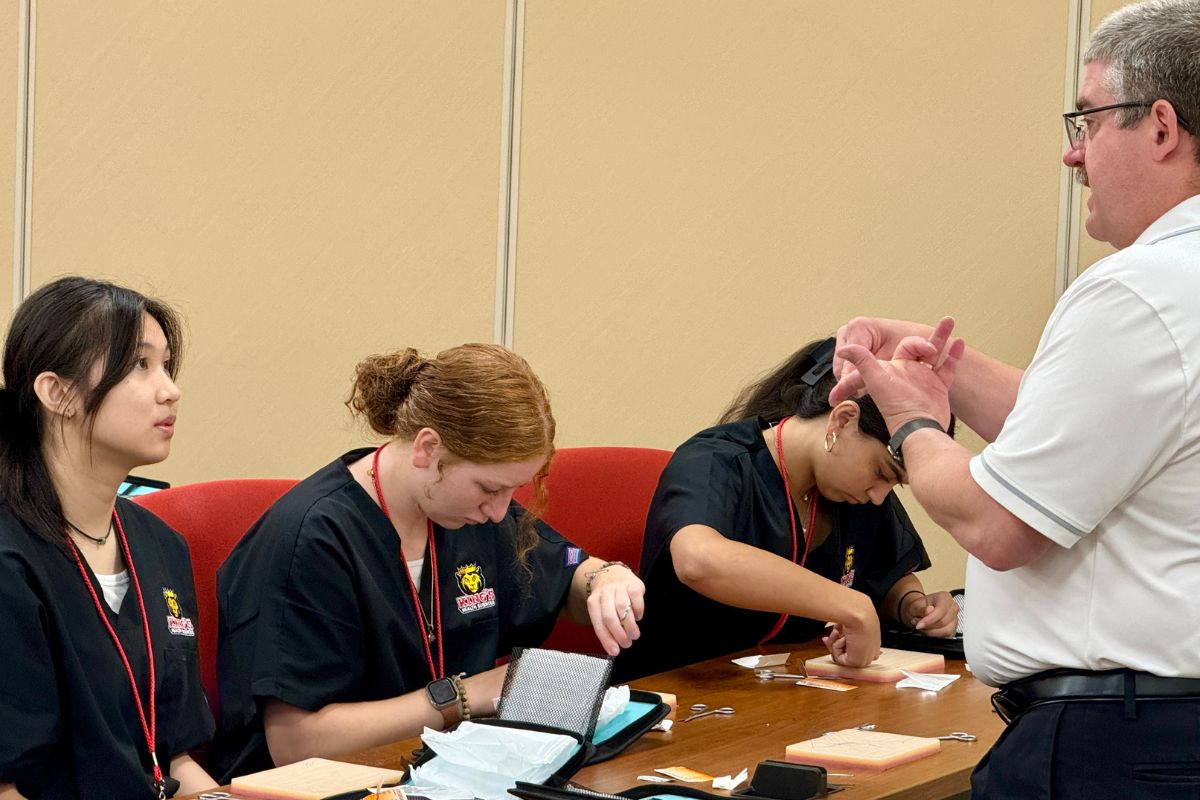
(904, 431)
(450, 710)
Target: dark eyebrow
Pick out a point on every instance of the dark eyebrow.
(142, 347)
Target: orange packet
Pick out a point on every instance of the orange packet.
(685, 774)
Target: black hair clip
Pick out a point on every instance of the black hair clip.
(822, 358)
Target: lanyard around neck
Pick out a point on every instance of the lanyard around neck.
(146, 717)
(808, 531)
(430, 629)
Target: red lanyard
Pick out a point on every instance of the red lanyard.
(148, 727)
(808, 531)
(440, 669)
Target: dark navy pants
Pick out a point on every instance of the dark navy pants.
(1091, 751)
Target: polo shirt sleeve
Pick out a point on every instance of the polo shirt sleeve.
(701, 485)
(310, 649)
(1098, 413)
(896, 549)
(552, 562)
(29, 703)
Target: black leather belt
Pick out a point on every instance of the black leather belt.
(1067, 686)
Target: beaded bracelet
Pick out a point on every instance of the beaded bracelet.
(464, 706)
(591, 576)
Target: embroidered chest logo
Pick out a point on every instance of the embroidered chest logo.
(848, 567)
(473, 592)
(177, 623)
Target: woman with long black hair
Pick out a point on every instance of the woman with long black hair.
(100, 691)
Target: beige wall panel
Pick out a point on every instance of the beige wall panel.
(706, 186)
(10, 20)
(307, 187)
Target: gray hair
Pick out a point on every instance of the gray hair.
(1152, 52)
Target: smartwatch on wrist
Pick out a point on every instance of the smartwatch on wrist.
(443, 696)
(903, 432)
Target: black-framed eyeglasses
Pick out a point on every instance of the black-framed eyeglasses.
(1077, 130)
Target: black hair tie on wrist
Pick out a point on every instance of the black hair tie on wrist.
(900, 607)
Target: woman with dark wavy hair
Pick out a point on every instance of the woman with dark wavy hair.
(373, 599)
(776, 521)
(100, 690)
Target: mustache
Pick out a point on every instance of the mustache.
(1081, 176)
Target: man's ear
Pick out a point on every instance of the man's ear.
(426, 448)
(56, 394)
(1164, 123)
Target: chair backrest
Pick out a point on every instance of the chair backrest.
(598, 499)
(212, 517)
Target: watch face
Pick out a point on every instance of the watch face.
(442, 692)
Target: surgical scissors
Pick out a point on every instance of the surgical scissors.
(701, 710)
(958, 736)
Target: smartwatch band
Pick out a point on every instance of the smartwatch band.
(904, 431)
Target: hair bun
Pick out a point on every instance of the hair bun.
(382, 383)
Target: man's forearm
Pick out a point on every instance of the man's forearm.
(940, 475)
(984, 392)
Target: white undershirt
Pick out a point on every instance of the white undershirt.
(114, 588)
(414, 569)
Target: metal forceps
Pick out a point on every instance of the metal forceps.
(770, 675)
(958, 736)
(701, 710)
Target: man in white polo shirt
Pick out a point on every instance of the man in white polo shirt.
(1082, 515)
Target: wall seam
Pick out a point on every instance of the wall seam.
(510, 159)
(1070, 193)
(23, 152)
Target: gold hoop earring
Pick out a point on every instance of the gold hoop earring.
(830, 441)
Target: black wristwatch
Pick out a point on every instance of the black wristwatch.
(443, 695)
(902, 433)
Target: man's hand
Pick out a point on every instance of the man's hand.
(880, 336)
(914, 383)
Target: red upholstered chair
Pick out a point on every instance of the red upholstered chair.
(598, 499)
(212, 516)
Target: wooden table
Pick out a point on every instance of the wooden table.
(771, 715)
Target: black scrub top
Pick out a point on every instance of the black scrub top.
(70, 726)
(315, 607)
(725, 478)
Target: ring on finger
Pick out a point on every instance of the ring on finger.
(625, 613)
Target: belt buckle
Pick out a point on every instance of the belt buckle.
(1006, 707)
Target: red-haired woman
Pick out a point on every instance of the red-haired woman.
(373, 599)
